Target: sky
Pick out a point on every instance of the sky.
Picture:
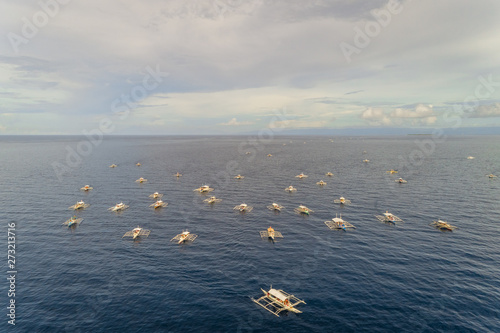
(240, 66)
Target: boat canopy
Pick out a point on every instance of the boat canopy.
(277, 294)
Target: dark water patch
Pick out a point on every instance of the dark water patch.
(378, 277)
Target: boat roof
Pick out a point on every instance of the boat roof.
(278, 294)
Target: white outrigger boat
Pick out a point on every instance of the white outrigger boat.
(118, 207)
(159, 204)
(276, 207)
(303, 210)
(276, 301)
(79, 205)
(156, 195)
(491, 176)
(338, 223)
(392, 171)
(388, 217)
(137, 232)
(73, 221)
(270, 233)
(301, 175)
(178, 175)
(212, 200)
(342, 201)
(443, 226)
(366, 160)
(204, 189)
(87, 188)
(321, 183)
(113, 166)
(141, 180)
(401, 181)
(243, 208)
(470, 157)
(291, 189)
(239, 177)
(329, 174)
(183, 237)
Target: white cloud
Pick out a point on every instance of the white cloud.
(300, 123)
(420, 115)
(485, 111)
(234, 122)
(430, 120)
(420, 111)
(376, 117)
(373, 114)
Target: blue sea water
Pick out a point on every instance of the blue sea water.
(408, 277)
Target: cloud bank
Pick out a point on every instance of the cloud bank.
(233, 59)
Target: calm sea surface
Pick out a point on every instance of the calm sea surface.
(408, 277)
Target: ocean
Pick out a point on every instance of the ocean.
(379, 277)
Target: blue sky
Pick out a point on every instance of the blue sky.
(231, 66)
